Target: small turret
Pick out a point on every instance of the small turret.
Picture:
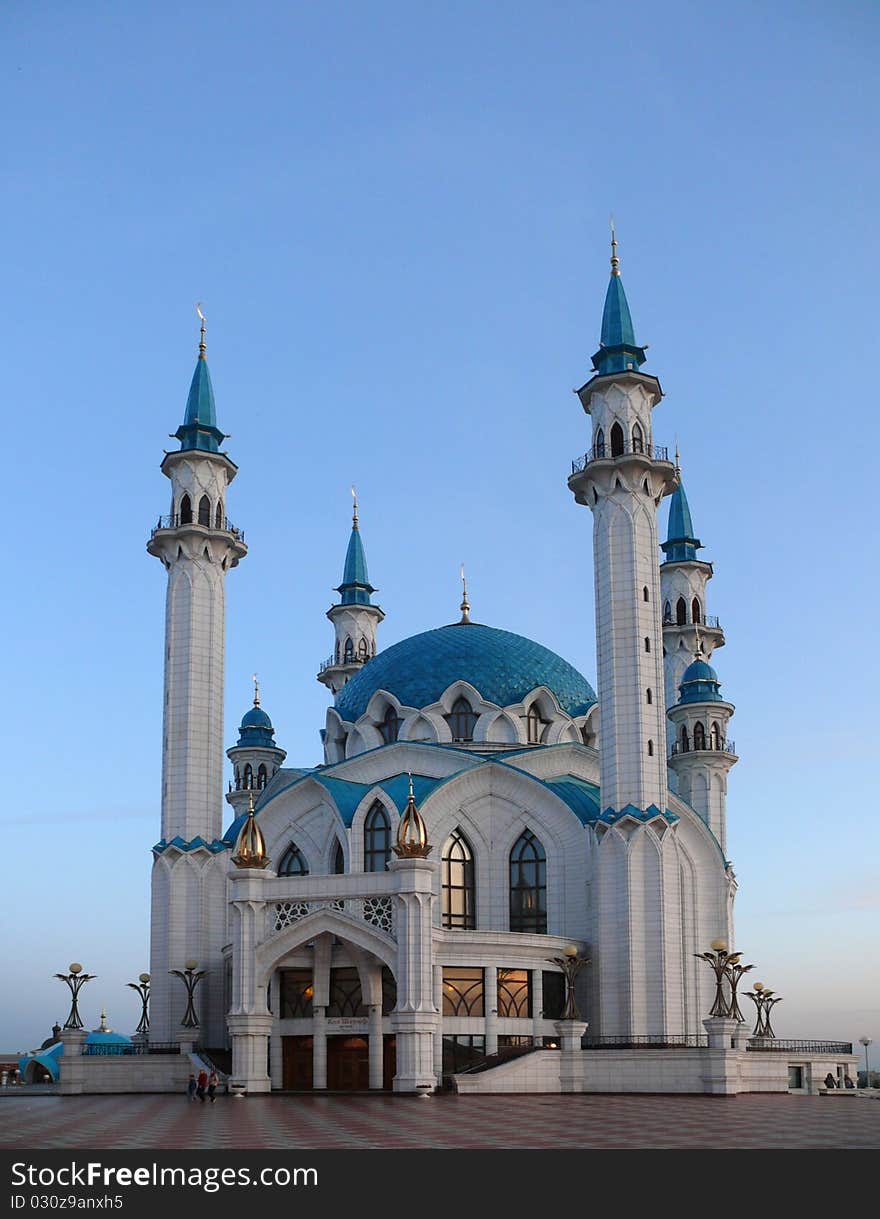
(255, 757)
(701, 754)
(354, 617)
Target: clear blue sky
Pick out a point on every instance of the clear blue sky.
(396, 217)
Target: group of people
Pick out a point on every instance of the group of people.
(204, 1085)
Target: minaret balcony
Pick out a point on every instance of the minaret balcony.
(604, 453)
(174, 521)
(711, 745)
(353, 662)
(710, 621)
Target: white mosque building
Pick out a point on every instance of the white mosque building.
(338, 951)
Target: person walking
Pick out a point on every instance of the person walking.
(191, 1088)
(202, 1085)
(213, 1081)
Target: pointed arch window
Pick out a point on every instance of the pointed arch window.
(617, 441)
(457, 882)
(649, 698)
(647, 644)
(681, 611)
(600, 443)
(667, 612)
(683, 741)
(462, 720)
(390, 726)
(186, 512)
(293, 863)
(348, 652)
(535, 725)
(262, 777)
(363, 649)
(248, 777)
(528, 885)
(715, 735)
(338, 860)
(638, 438)
(645, 594)
(377, 838)
(650, 749)
(696, 610)
(699, 735)
(218, 516)
(205, 511)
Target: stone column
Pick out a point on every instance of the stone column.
(71, 1068)
(571, 1066)
(376, 1047)
(537, 1005)
(438, 1035)
(319, 1048)
(721, 1072)
(250, 1051)
(415, 1019)
(490, 992)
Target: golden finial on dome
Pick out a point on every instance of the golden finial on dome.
(250, 849)
(412, 836)
(465, 606)
(256, 682)
(203, 346)
(354, 508)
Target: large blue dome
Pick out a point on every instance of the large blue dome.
(504, 668)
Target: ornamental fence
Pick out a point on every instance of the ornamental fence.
(604, 452)
(174, 521)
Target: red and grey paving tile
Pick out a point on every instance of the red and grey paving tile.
(443, 1121)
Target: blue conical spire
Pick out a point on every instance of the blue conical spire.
(199, 428)
(681, 544)
(355, 587)
(618, 350)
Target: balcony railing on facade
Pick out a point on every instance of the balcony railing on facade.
(605, 452)
(331, 662)
(174, 521)
(709, 745)
(711, 621)
(800, 1047)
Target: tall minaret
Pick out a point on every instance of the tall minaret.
(683, 580)
(197, 544)
(354, 618)
(638, 958)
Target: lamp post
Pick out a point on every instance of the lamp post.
(733, 973)
(866, 1041)
(571, 963)
(190, 976)
(764, 1000)
(726, 967)
(144, 991)
(75, 979)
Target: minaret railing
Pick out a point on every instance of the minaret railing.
(602, 452)
(709, 747)
(174, 522)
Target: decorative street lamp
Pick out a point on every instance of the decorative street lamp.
(144, 991)
(764, 1002)
(76, 979)
(571, 963)
(190, 978)
(727, 968)
(717, 959)
(866, 1041)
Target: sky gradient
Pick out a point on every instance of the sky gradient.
(396, 217)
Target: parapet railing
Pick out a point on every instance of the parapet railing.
(604, 452)
(710, 620)
(684, 1041)
(174, 521)
(112, 1050)
(708, 746)
(800, 1047)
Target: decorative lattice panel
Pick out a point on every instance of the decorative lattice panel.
(288, 913)
(378, 913)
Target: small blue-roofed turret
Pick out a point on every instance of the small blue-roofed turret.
(255, 757)
(684, 577)
(701, 753)
(354, 617)
(618, 349)
(199, 428)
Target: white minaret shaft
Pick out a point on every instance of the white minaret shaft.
(197, 545)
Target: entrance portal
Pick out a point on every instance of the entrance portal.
(297, 1063)
(348, 1064)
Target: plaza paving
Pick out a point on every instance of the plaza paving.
(444, 1121)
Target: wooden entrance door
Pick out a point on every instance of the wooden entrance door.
(297, 1063)
(389, 1061)
(348, 1064)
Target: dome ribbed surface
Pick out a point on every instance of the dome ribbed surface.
(502, 666)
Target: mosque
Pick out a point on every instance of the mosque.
(401, 913)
